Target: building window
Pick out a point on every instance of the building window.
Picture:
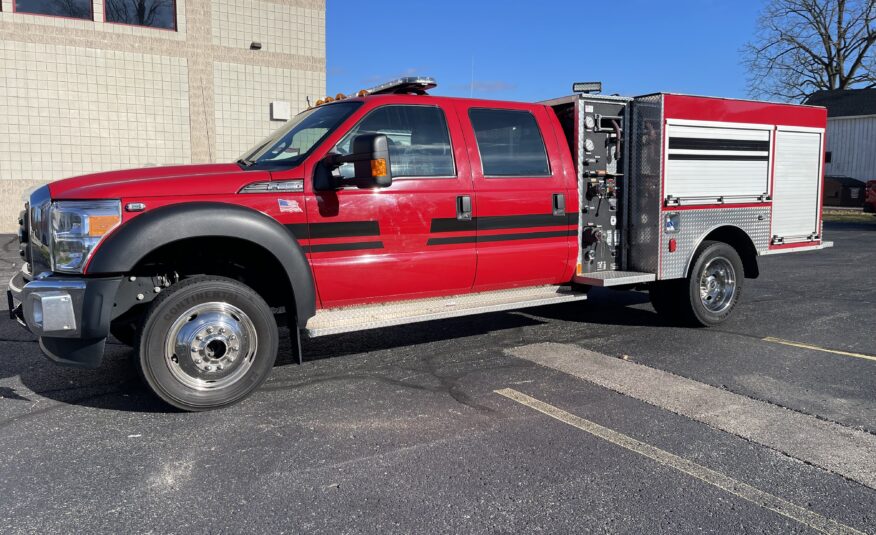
(151, 13)
(74, 9)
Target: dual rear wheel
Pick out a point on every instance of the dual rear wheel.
(708, 295)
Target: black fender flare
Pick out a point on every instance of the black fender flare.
(131, 242)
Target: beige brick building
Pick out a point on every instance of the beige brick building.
(93, 85)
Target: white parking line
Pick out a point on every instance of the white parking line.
(837, 448)
(723, 482)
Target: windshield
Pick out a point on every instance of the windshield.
(289, 145)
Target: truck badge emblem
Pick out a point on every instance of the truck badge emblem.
(287, 206)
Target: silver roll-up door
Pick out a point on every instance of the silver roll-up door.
(797, 187)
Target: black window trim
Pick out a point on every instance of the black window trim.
(550, 173)
(455, 174)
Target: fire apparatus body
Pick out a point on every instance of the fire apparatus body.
(395, 207)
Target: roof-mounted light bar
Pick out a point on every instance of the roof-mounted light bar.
(411, 85)
(587, 87)
(417, 85)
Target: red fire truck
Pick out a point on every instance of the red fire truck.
(395, 207)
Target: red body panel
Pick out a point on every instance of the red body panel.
(697, 108)
(870, 199)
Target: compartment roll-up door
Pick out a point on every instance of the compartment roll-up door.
(797, 187)
(725, 161)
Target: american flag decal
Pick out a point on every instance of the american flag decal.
(288, 206)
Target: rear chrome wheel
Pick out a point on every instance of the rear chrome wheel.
(718, 284)
(207, 342)
(709, 294)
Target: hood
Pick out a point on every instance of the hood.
(197, 179)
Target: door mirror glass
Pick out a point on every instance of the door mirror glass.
(370, 160)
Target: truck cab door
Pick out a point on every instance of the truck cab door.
(372, 245)
(526, 199)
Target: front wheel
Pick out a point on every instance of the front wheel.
(207, 342)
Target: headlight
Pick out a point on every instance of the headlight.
(77, 228)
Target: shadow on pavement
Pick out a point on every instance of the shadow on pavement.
(116, 384)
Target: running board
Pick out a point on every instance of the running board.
(614, 278)
(360, 318)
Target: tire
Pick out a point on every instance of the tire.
(665, 297)
(207, 342)
(711, 295)
(125, 333)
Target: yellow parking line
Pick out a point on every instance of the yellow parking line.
(717, 479)
(817, 348)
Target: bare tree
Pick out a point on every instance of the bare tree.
(71, 8)
(803, 46)
(140, 12)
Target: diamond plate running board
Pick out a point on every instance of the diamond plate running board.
(614, 278)
(360, 318)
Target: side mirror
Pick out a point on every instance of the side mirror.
(371, 164)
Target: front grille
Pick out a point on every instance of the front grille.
(23, 234)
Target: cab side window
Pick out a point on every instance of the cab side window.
(510, 143)
(419, 142)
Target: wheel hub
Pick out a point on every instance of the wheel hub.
(210, 346)
(718, 284)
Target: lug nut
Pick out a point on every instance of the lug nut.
(199, 337)
(209, 368)
(140, 297)
(132, 279)
(209, 330)
(198, 361)
(218, 367)
(221, 330)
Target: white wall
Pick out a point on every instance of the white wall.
(852, 144)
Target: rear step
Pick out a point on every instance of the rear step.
(360, 318)
(614, 278)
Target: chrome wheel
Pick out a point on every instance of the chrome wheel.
(210, 346)
(718, 284)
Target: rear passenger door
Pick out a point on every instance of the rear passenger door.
(524, 235)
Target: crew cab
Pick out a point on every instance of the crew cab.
(394, 206)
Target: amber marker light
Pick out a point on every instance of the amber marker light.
(378, 167)
(362, 93)
(98, 225)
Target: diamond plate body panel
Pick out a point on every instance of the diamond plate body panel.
(644, 187)
(694, 225)
(614, 278)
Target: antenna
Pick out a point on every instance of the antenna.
(471, 87)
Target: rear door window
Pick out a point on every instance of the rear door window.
(510, 143)
(419, 142)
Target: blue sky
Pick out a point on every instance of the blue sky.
(531, 51)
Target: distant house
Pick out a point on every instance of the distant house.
(851, 132)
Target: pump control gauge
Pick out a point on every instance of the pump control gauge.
(588, 145)
(589, 122)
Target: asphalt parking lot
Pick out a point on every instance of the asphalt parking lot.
(593, 417)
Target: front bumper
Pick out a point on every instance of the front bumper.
(70, 315)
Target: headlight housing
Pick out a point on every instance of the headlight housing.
(77, 228)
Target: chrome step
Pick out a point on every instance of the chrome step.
(360, 318)
(614, 278)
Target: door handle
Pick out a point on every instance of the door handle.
(463, 208)
(559, 204)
